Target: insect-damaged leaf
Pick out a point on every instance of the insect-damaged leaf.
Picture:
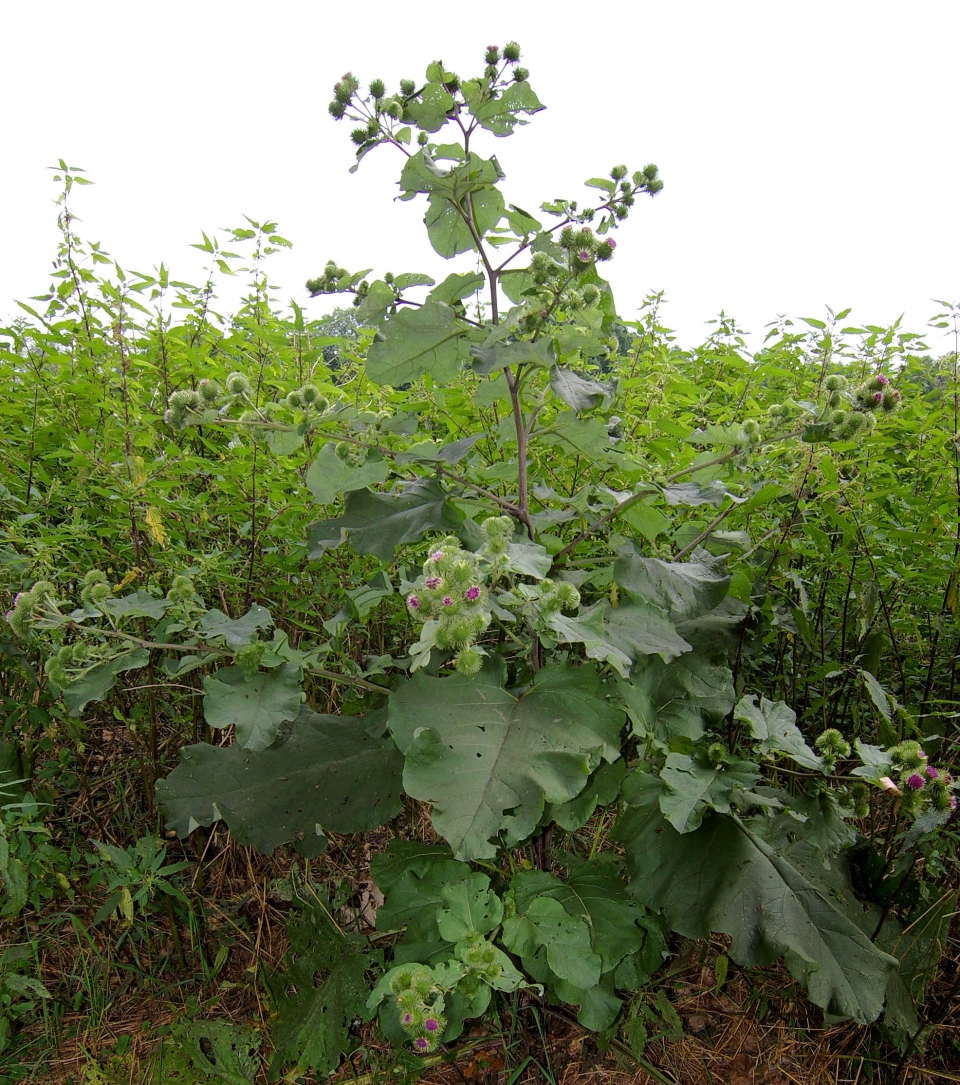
(488, 761)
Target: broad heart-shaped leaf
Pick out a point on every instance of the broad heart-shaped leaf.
(601, 790)
(99, 680)
(499, 115)
(329, 476)
(498, 355)
(327, 773)
(489, 761)
(256, 706)
(692, 788)
(678, 699)
(429, 110)
(413, 878)
(595, 893)
(377, 524)
(313, 1029)
(683, 589)
(457, 286)
(544, 921)
(470, 908)
(448, 230)
(620, 635)
(138, 604)
(217, 627)
(577, 392)
(725, 878)
(419, 341)
(775, 725)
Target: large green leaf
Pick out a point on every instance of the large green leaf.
(469, 909)
(488, 761)
(319, 995)
(683, 589)
(416, 342)
(99, 680)
(678, 699)
(774, 724)
(498, 355)
(457, 286)
(543, 921)
(693, 788)
(376, 523)
(725, 878)
(256, 706)
(579, 393)
(595, 893)
(328, 773)
(215, 626)
(447, 227)
(329, 475)
(500, 115)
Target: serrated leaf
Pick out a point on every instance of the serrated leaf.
(692, 788)
(377, 523)
(255, 706)
(99, 680)
(577, 392)
(320, 995)
(773, 724)
(328, 773)
(499, 114)
(329, 475)
(217, 627)
(416, 342)
(725, 878)
(488, 761)
(221, 1049)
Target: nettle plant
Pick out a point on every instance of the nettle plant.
(553, 674)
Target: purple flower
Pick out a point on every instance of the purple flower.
(611, 243)
(421, 1043)
(433, 582)
(932, 772)
(953, 802)
(473, 594)
(881, 379)
(431, 1024)
(447, 601)
(915, 781)
(584, 256)
(437, 555)
(877, 396)
(407, 1018)
(413, 602)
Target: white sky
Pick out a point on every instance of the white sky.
(809, 149)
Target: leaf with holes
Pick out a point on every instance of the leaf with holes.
(255, 706)
(488, 761)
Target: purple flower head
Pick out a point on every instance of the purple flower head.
(877, 396)
(437, 555)
(447, 601)
(881, 379)
(413, 602)
(431, 1024)
(953, 802)
(433, 582)
(421, 1043)
(932, 772)
(473, 594)
(584, 256)
(915, 781)
(407, 1018)
(611, 243)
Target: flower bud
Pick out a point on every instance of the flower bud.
(423, 139)
(492, 55)
(511, 52)
(618, 173)
(521, 74)
(237, 385)
(407, 87)
(209, 390)
(469, 660)
(294, 400)
(835, 383)
(360, 136)
(336, 109)
(377, 88)
(605, 249)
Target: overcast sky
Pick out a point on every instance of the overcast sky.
(810, 150)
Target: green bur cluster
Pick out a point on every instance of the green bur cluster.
(452, 591)
(188, 407)
(419, 1006)
(924, 786)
